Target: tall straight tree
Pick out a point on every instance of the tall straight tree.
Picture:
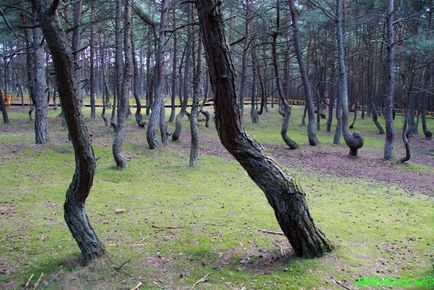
(284, 195)
(85, 164)
(157, 115)
(313, 140)
(388, 116)
(118, 140)
(194, 148)
(40, 101)
(354, 141)
(174, 63)
(92, 64)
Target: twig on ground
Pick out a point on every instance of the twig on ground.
(123, 264)
(167, 228)
(341, 284)
(137, 286)
(201, 280)
(28, 282)
(38, 281)
(271, 232)
(55, 277)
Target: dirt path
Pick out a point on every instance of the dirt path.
(336, 162)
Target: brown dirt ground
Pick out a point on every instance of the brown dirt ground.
(334, 160)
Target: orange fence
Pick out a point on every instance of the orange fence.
(16, 101)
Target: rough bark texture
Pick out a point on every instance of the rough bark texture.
(3, 109)
(354, 141)
(194, 148)
(157, 117)
(375, 116)
(330, 112)
(91, 60)
(284, 102)
(120, 128)
(136, 84)
(40, 101)
(388, 116)
(406, 136)
(178, 120)
(313, 140)
(338, 131)
(174, 62)
(426, 132)
(75, 213)
(117, 78)
(281, 190)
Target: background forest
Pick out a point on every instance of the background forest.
(198, 132)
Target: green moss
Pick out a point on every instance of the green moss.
(217, 211)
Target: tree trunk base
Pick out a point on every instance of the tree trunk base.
(79, 225)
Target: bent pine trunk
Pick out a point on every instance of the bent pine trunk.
(77, 193)
(284, 195)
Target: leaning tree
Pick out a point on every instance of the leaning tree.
(85, 164)
(283, 193)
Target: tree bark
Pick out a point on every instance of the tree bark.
(388, 116)
(40, 100)
(194, 148)
(354, 141)
(174, 62)
(3, 109)
(92, 66)
(178, 120)
(157, 115)
(120, 128)
(285, 105)
(136, 83)
(75, 212)
(281, 190)
(313, 140)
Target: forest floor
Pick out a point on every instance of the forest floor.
(168, 226)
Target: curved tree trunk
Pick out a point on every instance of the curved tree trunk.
(201, 110)
(354, 141)
(355, 117)
(157, 115)
(118, 140)
(313, 140)
(406, 136)
(178, 120)
(285, 105)
(138, 114)
(77, 193)
(426, 132)
(281, 190)
(375, 116)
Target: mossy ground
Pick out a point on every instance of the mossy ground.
(214, 213)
